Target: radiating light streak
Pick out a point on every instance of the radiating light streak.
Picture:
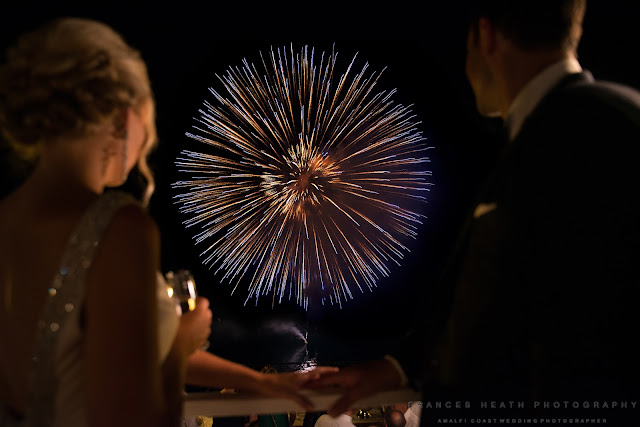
(314, 183)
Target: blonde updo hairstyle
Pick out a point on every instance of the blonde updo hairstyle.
(68, 78)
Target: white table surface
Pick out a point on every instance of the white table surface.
(215, 404)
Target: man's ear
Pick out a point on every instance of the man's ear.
(487, 37)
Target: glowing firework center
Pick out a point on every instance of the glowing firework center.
(299, 186)
(312, 182)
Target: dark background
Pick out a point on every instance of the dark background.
(422, 44)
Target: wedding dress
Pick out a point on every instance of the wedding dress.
(57, 383)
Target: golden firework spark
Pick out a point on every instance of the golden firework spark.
(311, 182)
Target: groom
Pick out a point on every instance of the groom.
(540, 301)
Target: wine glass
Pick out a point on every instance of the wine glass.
(181, 286)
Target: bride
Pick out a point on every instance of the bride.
(80, 342)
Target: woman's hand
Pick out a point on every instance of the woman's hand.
(357, 382)
(195, 327)
(289, 384)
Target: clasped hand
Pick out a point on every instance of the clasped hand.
(357, 382)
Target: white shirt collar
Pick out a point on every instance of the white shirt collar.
(531, 94)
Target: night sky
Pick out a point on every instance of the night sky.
(422, 44)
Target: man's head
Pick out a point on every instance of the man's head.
(533, 24)
(395, 418)
(540, 30)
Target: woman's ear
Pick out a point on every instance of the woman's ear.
(120, 123)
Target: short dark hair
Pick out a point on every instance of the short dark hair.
(533, 24)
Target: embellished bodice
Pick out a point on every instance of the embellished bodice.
(57, 386)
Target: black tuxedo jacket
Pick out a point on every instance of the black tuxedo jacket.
(541, 298)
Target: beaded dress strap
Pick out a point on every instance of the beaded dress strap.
(66, 294)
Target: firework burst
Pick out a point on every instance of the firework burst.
(311, 182)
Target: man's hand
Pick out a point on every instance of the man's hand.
(358, 382)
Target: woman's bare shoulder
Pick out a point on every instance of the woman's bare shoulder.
(132, 221)
(129, 250)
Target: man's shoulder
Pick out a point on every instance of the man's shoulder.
(326, 420)
(583, 105)
(596, 119)
(598, 94)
